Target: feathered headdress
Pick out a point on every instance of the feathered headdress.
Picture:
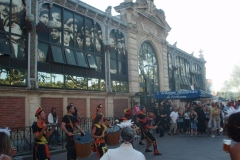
(5, 130)
(124, 124)
(231, 111)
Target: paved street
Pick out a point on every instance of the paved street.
(178, 147)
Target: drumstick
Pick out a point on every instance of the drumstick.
(158, 123)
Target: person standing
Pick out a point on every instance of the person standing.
(216, 119)
(163, 116)
(193, 121)
(53, 120)
(201, 118)
(187, 118)
(167, 108)
(98, 133)
(68, 124)
(173, 121)
(157, 116)
(41, 133)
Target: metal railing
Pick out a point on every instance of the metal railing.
(22, 138)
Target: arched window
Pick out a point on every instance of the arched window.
(148, 69)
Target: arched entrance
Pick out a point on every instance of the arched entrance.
(148, 74)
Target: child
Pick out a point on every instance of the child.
(6, 150)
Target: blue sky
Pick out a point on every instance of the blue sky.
(210, 25)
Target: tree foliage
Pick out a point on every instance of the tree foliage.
(231, 87)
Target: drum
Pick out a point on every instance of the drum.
(113, 136)
(83, 144)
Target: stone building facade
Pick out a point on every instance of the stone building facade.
(55, 52)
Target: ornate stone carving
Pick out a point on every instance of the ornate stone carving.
(108, 11)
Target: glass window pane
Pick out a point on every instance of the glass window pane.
(18, 47)
(68, 29)
(81, 59)
(4, 13)
(71, 82)
(93, 84)
(42, 52)
(122, 51)
(99, 63)
(102, 85)
(89, 32)
(57, 80)
(50, 80)
(56, 16)
(113, 66)
(42, 28)
(13, 77)
(122, 68)
(18, 16)
(123, 86)
(82, 82)
(75, 82)
(17, 77)
(98, 39)
(113, 50)
(57, 54)
(79, 34)
(4, 45)
(4, 77)
(44, 79)
(91, 61)
(114, 86)
(55, 35)
(70, 57)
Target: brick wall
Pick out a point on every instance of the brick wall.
(119, 106)
(94, 103)
(12, 112)
(48, 103)
(80, 104)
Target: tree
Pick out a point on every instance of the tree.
(231, 87)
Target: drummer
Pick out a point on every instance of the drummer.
(98, 133)
(140, 116)
(145, 127)
(127, 115)
(69, 122)
(99, 111)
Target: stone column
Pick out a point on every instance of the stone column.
(133, 73)
(165, 85)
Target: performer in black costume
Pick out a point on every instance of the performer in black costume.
(145, 126)
(98, 133)
(41, 133)
(68, 124)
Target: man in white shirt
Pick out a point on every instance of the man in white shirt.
(173, 121)
(125, 151)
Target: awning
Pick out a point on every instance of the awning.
(185, 94)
